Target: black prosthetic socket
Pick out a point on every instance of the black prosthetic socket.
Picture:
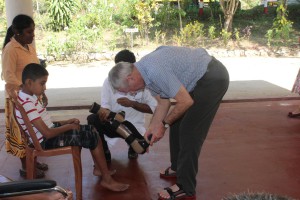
(94, 108)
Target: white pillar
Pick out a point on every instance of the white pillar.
(16, 7)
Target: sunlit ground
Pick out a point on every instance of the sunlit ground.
(278, 71)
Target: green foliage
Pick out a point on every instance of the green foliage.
(248, 4)
(40, 6)
(2, 6)
(60, 13)
(125, 15)
(192, 32)
(282, 27)
(167, 15)
(212, 32)
(236, 33)
(192, 12)
(3, 23)
(99, 25)
(269, 36)
(215, 9)
(96, 13)
(225, 36)
(294, 13)
(256, 196)
(55, 47)
(143, 11)
(177, 39)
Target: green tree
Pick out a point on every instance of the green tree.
(144, 17)
(282, 27)
(61, 12)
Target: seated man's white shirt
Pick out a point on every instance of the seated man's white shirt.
(109, 100)
(34, 111)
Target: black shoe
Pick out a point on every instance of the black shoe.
(132, 154)
(107, 156)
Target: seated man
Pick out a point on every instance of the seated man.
(64, 133)
(134, 105)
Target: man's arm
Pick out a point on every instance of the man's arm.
(156, 127)
(183, 102)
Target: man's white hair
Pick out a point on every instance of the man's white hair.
(117, 75)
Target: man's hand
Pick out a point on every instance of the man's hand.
(157, 131)
(123, 101)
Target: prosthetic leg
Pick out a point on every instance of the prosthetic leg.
(125, 129)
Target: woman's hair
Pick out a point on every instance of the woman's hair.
(125, 56)
(19, 23)
(33, 71)
(117, 75)
(9, 34)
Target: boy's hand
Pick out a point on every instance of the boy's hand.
(75, 126)
(103, 114)
(44, 100)
(73, 121)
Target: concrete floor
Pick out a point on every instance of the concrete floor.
(251, 146)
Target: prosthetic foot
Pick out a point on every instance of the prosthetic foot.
(131, 135)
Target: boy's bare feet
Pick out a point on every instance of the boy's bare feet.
(109, 183)
(97, 172)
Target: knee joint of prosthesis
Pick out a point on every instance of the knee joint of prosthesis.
(126, 130)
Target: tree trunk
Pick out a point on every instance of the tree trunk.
(180, 20)
(228, 23)
(229, 8)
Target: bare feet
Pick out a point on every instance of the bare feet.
(109, 183)
(97, 172)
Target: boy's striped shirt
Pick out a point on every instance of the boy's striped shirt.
(34, 111)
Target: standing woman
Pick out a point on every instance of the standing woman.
(17, 52)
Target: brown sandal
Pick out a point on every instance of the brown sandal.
(176, 195)
(168, 174)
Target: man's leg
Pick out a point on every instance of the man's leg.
(174, 143)
(195, 124)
